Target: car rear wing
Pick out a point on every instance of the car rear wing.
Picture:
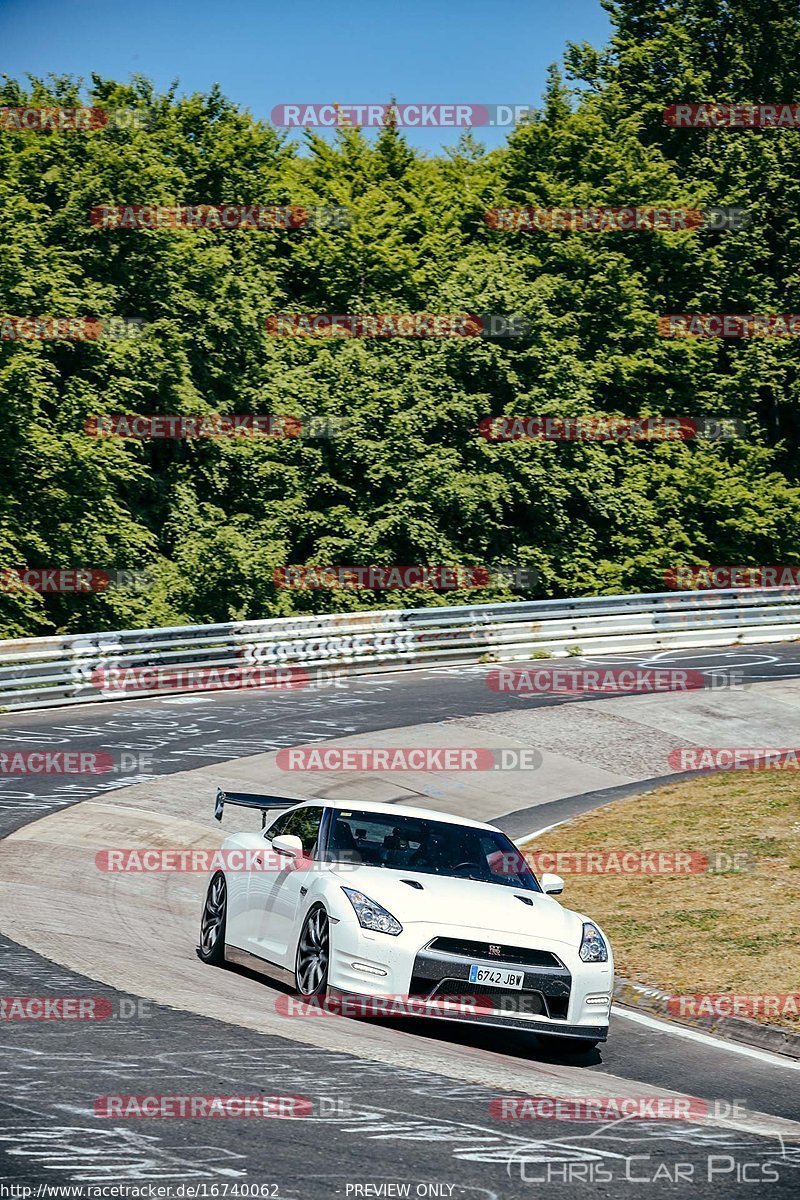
(249, 800)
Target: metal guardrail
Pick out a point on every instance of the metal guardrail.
(49, 671)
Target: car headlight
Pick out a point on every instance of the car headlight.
(593, 947)
(371, 915)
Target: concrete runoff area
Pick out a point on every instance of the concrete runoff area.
(138, 932)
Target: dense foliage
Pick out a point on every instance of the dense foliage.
(410, 481)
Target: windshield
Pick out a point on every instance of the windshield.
(401, 843)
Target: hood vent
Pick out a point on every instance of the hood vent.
(526, 900)
(413, 883)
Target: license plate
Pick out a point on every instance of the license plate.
(491, 975)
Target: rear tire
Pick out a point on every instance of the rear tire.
(212, 922)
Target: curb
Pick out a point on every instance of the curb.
(643, 998)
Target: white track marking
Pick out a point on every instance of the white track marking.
(693, 1035)
(528, 837)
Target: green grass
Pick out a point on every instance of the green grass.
(731, 931)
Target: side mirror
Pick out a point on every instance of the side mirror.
(288, 844)
(552, 885)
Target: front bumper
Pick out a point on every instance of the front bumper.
(495, 1019)
(563, 996)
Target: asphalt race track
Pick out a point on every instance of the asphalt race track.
(374, 1127)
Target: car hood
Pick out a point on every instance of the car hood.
(465, 902)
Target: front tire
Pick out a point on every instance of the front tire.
(213, 920)
(313, 954)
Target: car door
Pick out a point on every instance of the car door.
(238, 927)
(259, 883)
(276, 894)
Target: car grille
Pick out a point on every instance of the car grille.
(508, 954)
(508, 1002)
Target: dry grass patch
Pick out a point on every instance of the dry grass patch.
(735, 931)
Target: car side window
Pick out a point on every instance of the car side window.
(304, 823)
(278, 826)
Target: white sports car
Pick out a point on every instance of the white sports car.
(376, 900)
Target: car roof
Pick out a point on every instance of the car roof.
(405, 810)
